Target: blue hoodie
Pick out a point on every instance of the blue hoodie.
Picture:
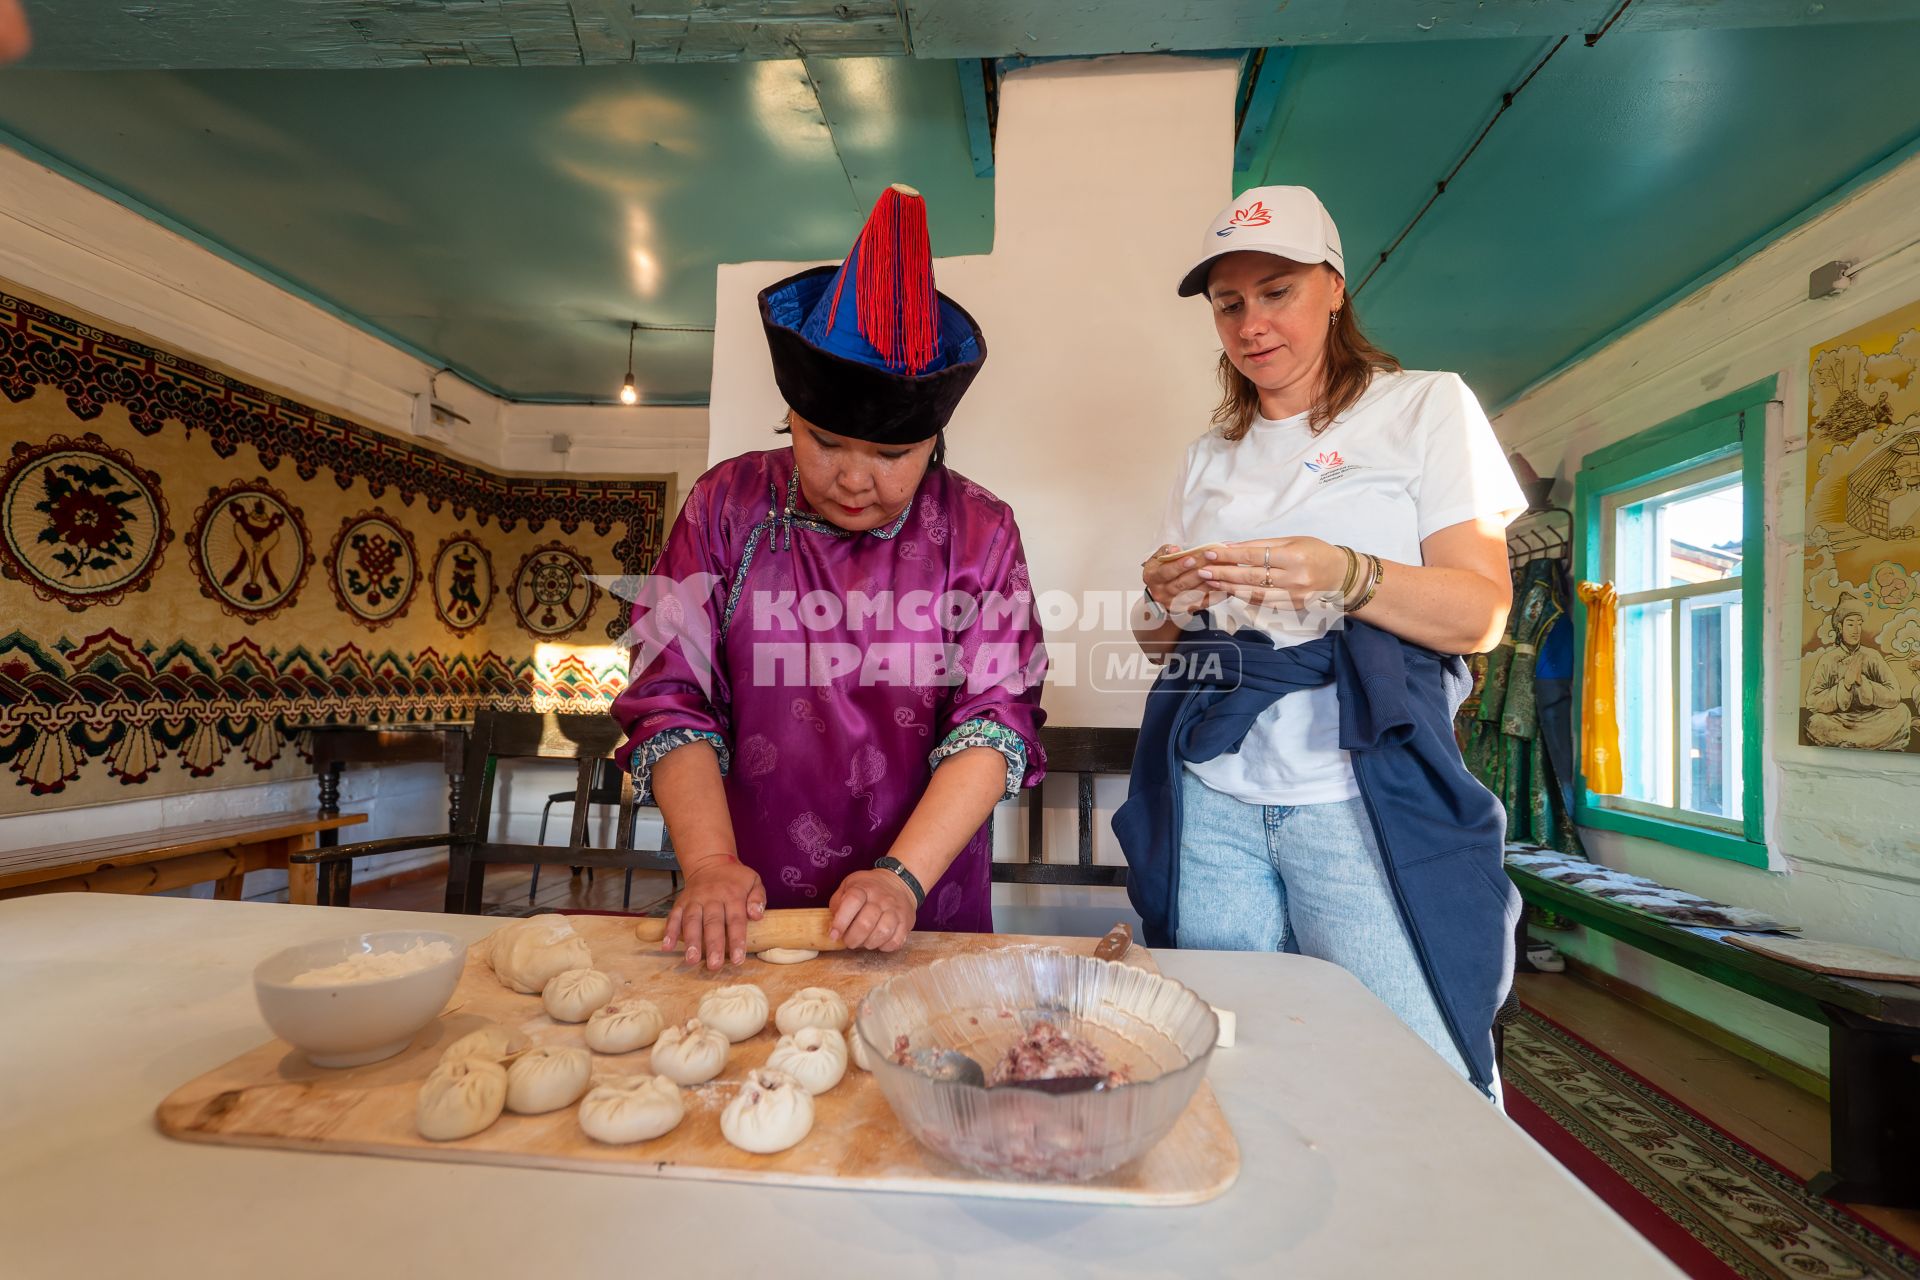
(1441, 833)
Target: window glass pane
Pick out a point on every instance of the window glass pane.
(1645, 672)
(1709, 670)
(1688, 534)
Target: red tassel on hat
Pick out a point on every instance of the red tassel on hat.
(893, 288)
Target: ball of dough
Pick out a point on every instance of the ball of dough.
(736, 1012)
(788, 955)
(491, 1043)
(631, 1109)
(460, 1098)
(815, 1056)
(623, 1026)
(528, 953)
(573, 995)
(812, 1007)
(547, 1078)
(693, 1054)
(771, 1113)
(857, 1047)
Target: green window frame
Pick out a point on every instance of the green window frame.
(1732, 427)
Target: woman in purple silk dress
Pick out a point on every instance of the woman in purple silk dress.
(837, 669)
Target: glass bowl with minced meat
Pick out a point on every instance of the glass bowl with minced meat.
(1068, 1067)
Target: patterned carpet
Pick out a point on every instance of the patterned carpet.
(1715, 1207)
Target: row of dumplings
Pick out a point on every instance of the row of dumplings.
(492, 1070)
(467, 1093)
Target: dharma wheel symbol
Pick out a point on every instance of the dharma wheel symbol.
(553, 591)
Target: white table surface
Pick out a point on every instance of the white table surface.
(1362, 1154)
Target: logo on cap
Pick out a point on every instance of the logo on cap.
(1254, 215)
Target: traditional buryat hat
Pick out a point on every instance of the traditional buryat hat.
(1848, 605)
(869, 349)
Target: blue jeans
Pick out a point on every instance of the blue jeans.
(1305, 878)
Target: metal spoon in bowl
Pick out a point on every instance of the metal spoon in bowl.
(957, 1068)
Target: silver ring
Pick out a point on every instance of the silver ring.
(1266, 558)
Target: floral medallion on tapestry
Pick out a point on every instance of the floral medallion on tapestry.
(80, 522)
(462, 582)
(373, 568)
(250, 549)
(553, 591)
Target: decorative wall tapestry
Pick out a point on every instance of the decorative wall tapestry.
(373, 568)
(462, 582)
(191, 568)
(250, 549)
(553, 591)
(1860, 655)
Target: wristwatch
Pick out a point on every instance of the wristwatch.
(899, 868)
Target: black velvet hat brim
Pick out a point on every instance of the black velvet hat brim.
(853, 399)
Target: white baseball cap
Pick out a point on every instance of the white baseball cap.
(1288, 222)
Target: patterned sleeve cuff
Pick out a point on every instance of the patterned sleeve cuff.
(666, 740)
(980, 732)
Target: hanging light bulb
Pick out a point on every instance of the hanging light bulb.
(630, 390)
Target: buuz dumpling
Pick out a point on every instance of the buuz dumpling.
(574, 995)
(460, 1098)
(770, 1113)
(815, 1056)
(736, 1012)
(812, 1007)
(547, 1078)
(631, 1109)
(623, 1026)
(690, 1054)
(491, 1043)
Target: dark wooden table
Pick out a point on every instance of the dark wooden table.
(335, 746)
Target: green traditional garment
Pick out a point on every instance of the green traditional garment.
(1499, 726)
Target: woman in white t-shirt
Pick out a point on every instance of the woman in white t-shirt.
(1334, 482)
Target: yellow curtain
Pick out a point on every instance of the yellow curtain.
(1599, 726)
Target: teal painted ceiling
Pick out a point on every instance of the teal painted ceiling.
(509, 215)
(510, 224)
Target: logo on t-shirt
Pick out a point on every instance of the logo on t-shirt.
(1327, 467)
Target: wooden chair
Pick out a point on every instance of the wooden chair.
(1084, 753)
(587, 740)
(606, 793)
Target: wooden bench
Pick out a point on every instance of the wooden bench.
(174, 857)
(1873, 1038)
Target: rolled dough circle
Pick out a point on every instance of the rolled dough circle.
(788, 955)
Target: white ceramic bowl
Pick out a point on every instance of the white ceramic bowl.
(354, 1023)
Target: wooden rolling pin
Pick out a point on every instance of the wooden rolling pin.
(799, 928)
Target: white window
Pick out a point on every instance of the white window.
(1673, 549)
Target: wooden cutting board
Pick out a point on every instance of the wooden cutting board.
(273, 1097)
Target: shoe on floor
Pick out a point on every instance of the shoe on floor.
(1544, 959)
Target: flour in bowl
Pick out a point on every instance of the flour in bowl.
(366, 967)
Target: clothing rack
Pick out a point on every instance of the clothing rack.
(1541, 533)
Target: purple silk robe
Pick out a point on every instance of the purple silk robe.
(832, 671)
